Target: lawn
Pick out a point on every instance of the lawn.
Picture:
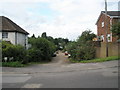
(96, 60)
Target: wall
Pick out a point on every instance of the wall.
(11, 37)
(107, 26)
(22, 39)
(102, 30)
(16, 38)
(113, 49)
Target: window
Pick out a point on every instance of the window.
(109, 38)
(5, 35)
(102, 24)
(102, 38)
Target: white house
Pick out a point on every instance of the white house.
(10, 31)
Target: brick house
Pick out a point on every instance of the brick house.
(11, 32)
(104, 24)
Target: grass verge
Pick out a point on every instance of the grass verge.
(12, 64)
(19, 64)
(96, 60)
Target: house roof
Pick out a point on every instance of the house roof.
(8, 25)
(111, 14)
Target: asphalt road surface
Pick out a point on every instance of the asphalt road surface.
(60, 73)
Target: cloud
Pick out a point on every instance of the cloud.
(59, 18)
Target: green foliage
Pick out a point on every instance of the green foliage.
(18, 52)
(41, 50)
(83, 49)
(72, 49)
(44, 35)
(13, 64)
(85, 53)
(116, 29)
(86, 36)
(33, 36)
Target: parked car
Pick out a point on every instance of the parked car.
(66, 52)
(69, 55)
(54, 55)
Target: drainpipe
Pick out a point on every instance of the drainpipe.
(15, 38)
(106, 28)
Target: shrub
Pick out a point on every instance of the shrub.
(12, 64)
(34, 55)
(83, 49)
(41, 50)
(85, 53)
(17, 52)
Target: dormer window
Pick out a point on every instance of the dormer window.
(102, 24)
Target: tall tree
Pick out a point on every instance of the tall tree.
(33, 36)
(86, 36)
(44, 35)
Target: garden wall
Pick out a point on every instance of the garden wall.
(113, 49)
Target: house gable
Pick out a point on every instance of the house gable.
(9, 26)
(103, 25)
(15, 34)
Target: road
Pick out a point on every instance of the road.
(60, 73)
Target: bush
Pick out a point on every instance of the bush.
(83, 49)
(85, 53)
(81, 52)
(17, 52)
(41, 50)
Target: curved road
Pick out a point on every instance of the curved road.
(60, 73)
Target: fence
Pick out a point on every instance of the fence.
(113, 49)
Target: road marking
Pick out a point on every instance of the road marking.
(32, 86)
(15, 78)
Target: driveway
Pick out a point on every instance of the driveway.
(60, 73)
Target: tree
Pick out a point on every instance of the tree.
(83, 49)
(86, 36)
(41, 50)
(116, 30)
(44, 35)
(33, 36)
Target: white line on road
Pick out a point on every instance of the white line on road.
(15, 78)
(32, 86)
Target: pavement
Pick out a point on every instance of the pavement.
(60, 73)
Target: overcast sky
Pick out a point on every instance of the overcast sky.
(58, 18)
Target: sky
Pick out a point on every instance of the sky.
(58, 18)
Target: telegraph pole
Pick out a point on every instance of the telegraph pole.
(106, 28)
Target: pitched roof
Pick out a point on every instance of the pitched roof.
(113, 14)
(8, 25)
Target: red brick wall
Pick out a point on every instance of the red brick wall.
(102, 30)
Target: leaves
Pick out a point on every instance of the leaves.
(116, 30)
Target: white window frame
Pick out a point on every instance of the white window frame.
(4, 34)
(103, 24)
(109, 37)
(102, 38)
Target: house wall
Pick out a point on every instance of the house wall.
(16, 38)
(11, 37)
(113, 49)
(21, 39)
(107, 26)
(102, 30)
